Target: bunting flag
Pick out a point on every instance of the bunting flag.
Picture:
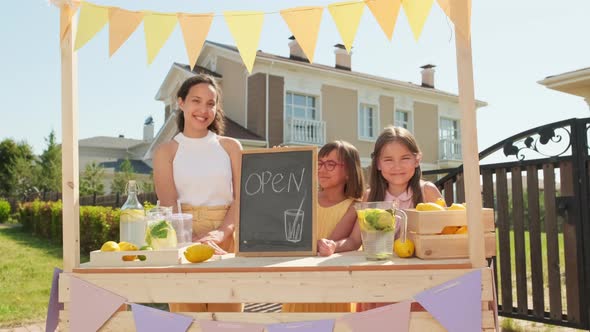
(122, 23)
(326, 325)
(445, 6)
(54, 306)
(461, 16)
(92, 19)
(217, 326)
(386, 13)
(417, 12)
(65, 20)
(390, 318)
(91, 306)
(347, 16)
(465, 295)
(245, 28)
(157, 28)
(154, 320)
(194, 31)
(304, 23)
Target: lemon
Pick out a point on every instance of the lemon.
(126, 246)
(403, 249)
(142, 257)
(450, 230)
(441, 201)
(462, 230)
(456, 206)
(110, 246)
(131, 215)
(429, 207)
(385, 221)
(198, 253)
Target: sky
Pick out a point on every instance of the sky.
(515, 44)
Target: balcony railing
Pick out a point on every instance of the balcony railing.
(449, 149)
(303, 131)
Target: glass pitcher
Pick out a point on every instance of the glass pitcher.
(380, 224)
(160, 233)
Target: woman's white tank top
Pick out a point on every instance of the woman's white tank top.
(202, 171)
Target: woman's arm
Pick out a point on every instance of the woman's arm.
(163, 176)
(234, 150)
(430, 191)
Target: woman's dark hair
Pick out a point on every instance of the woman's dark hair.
(348, 155)
(218, 124)
(377, 182)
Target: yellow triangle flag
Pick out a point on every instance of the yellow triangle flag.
(194, 31)
(65, 20)
(417, 11)
(122, 23)
(157, 28)
(445, 6)
(245, 27)
(304, 23)
(385, 12)
(347, 16)
(461, 17)
(92, 19)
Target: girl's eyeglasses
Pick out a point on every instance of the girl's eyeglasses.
(329, 164)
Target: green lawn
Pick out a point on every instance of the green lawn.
(26, 270)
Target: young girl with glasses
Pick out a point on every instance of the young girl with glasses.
(341, 183)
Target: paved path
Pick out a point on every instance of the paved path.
(36, 327)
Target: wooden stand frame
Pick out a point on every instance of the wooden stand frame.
(347, 281)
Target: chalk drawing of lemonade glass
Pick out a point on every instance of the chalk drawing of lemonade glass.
(294, 222)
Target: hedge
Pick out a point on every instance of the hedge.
(98, 224)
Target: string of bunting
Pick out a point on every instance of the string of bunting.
(461, 296)
(246, 26)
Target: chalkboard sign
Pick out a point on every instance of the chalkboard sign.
(278, 199)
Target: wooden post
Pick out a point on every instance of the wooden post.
(69, 151)
(460, 9)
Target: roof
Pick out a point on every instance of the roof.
(138, 166)
(199, 70)
(235, 130)
(347, 72)
(568, 73)
(109, 142)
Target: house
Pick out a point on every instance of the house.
(575, 83)
(110, 152)
(286, 100)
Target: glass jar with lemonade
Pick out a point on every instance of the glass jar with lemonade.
(132, 223)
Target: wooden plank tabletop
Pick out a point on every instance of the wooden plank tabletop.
(349, 261)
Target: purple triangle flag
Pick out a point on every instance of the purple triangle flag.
(456, 304)
(149, 319)
(326, 325)
(216, 326)
(54, 306)
(390, 318)
(91, 305)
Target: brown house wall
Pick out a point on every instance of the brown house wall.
(276, 109)
(426, 130)
(386, 112)
(257, 104)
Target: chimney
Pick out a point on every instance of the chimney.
(343, 58)
(428, 75)
(148, 129)
(295, 51)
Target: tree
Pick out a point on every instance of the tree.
(49, 168)
(12, 153)
(122, 177)
(91, 180)
(147, 186)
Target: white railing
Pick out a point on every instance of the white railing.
(302, 131)
(449, 149)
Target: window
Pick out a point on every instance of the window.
(368, 118)
(402, 119)
(450, 139)
(301, 106)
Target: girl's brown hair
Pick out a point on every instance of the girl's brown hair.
(348, 155)
(218, 124)
(377, 182)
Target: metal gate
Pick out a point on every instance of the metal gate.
(538, 184)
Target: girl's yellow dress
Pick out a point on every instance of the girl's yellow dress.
(328, 218)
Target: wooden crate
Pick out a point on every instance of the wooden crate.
(424, 228)
(162, 257)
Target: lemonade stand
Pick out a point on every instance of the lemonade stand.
(347, 277)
